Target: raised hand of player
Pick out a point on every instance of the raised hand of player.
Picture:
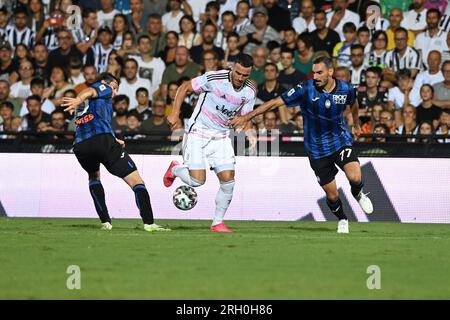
(238, 123)
(173, 120)
(71, 104)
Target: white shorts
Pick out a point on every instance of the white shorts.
(218, 151)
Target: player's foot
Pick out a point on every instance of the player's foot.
(169, 178)
(342, 226)
(106, 226)
(154, 228)
(221, 227)
(364, 202)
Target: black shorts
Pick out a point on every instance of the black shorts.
(325, 168)
(103, 148)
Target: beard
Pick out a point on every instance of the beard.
(120, 113)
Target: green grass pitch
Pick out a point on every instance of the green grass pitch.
(260, 260)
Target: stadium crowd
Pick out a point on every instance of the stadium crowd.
(399, 62)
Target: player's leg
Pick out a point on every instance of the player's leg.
(193, 171)
(119, 163)
(221, 158)
(325, 171)
(85, 152)
(349, 163)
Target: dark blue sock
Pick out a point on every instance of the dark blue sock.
(143, 203)
(336, 208)
(98, 195)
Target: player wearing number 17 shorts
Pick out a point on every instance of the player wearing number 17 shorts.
(328, 142)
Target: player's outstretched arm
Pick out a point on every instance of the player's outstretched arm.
(182, 91)
(239, 122)
(71, 104)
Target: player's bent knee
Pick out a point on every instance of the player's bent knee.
(133, 179)
(196, 182)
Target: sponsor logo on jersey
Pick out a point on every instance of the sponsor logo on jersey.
(84, 119)
(226, 112)
(339, 98)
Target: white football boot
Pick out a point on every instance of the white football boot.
(106, 226)
(364, 202)
(342, 226)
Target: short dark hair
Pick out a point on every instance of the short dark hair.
(58, 111)
(363, 29)
(232, 35)
(108, 78)
(319, 11)
(7, 104)
(134, 113)
(229, 13)
(402, 73)
(143, 36)
(306, 38)
(37, 82)
(212, 4)
(34, 97)
(120, 98)
(401, 29)
(325, 60)
(287, 50)
(155, 16)
(357, 46)
(86, 12)
(434, 10)
(132, 60)
(244, 60)
(375, 70)
(349, 27)
(271, 64)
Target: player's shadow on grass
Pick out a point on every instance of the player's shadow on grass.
(188, 228)
(85, 226)
(310, 229)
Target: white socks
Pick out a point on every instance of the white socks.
(223, 200)
(182, 172)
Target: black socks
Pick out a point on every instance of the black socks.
(143, 203)
(336, 208)
(98, 195)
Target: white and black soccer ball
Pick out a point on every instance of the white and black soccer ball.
(184, 198)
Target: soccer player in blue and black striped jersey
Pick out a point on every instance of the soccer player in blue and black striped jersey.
(95, 143)
(328, 142)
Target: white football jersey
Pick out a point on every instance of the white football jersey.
(219, 102)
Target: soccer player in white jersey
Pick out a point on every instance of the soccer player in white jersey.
(224, 94)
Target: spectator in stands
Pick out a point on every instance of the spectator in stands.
(47, 34)
(21, 53)
(303, 55)
(227, 28)
(21, 90)
(342, 73)
(171, 19)
(4, 19)
(274, 49)
(149, 67)
(341, 51)
(409, 125)
(144, 105)
(259, 33)
(35, 114)
(323, 38)
(106, 16)
(6, 114)
(185, 110)
(387, 118)
(415, 19)
(430, 76)
(209, 33)
(242, 14)
(8, 69)
(169, 52)
(40, 59)
(375, 56)
(259, 55)
(401, 96)
(102, 49)
(376, 112)
(357, 67)
(134, 123)
(426, 128)
(363, 38)
(59, 77)
(18, 32)
(271, 87)
(402, 56)
(258, 122)
(121, 104)
(289, 76)
(340, 15)
(90, 75)
(181, 68)
(5, 95)
(211, 14)
(66, 50)
(131, 82)
(137, 18)
(157, 123)
(210, 62)
(76, 74)
(371, 93)
(57, 125)
(37, 86)
(446, 53)
(395, 19)
(270, 121)
(232, 51)
(427, 111)
(279, 17)
(188, 35)
(86, 36)
(442, 89)
(119, 27)
(432, 39)
(115, 64)
(156, 34)
(444, 126)
(381, 129)
(290, 39)
(305, 21)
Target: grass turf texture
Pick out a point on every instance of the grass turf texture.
(261, 260)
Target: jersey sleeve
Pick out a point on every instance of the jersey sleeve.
(248, 106)
(351, 97)
(103, 91)
(293, 97)
(201, 83)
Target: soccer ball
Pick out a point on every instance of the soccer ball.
(184, 198)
